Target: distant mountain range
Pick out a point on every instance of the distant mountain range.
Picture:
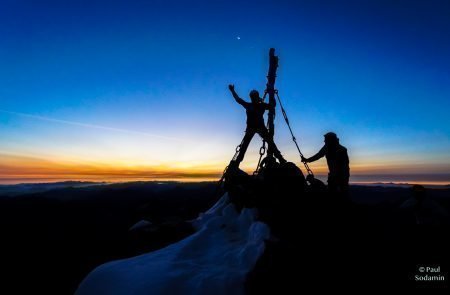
(24, 188)
(29, 188)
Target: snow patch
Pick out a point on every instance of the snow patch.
(214, 260)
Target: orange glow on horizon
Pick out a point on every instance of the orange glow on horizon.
(18, 168)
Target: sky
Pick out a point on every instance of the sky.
(124, 90)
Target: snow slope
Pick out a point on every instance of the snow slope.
(214, 260)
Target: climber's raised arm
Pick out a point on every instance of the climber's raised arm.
(236, 97)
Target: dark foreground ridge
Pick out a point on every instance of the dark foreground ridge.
(52, 240)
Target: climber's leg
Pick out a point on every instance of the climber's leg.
(249, 133)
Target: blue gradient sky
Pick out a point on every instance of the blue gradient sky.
(142, 85)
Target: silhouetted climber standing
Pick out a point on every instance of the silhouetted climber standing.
(255, 124)
(337, 160)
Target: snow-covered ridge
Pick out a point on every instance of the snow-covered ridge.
(214, 260)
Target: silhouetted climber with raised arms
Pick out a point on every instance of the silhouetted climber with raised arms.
(338, 163)
(255, 124)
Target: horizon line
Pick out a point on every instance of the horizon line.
(192, 179)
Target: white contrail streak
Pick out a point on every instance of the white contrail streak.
(42, 118)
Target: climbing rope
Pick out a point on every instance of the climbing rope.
(292, 134)
(262, 150)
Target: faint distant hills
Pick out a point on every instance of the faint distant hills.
(403, 184)
(435, 179)
(28, 188)
(10, 190)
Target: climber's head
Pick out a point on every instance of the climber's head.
(254, 96)
(331, 138)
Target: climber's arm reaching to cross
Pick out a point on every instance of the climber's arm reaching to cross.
(316, 157)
